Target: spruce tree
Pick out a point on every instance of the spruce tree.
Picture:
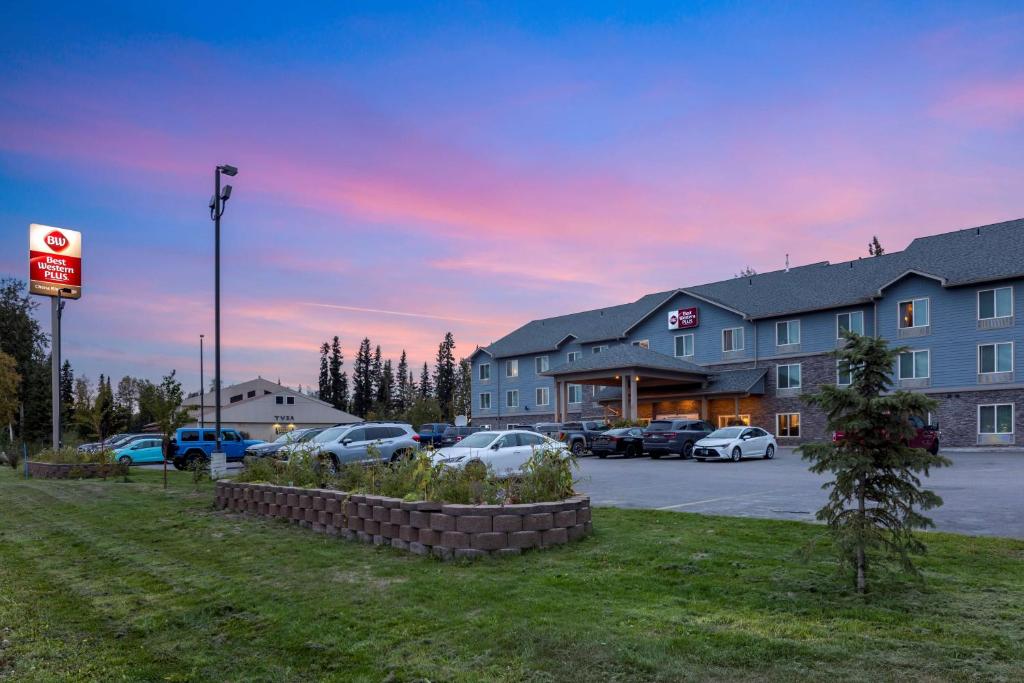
(875, 247)
(875, 497)
(403, 395)
(67, 394)
(464, 389)
(426, 388)
(324, 380)
(339, 383)
(444, 375)
(362, 382)
(376, 373)
(386, 390)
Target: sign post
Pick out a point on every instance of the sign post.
(55, 270)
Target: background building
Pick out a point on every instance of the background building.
(265, 409)
(748, 347)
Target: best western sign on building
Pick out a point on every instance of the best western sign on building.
(55, 261)
(683, 319)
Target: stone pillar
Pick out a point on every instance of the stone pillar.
(704, 415)
(632, 397)
(736, 406)
(625, 397)
(558, 401)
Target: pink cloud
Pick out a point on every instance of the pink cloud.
(986, 104)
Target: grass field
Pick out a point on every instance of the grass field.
(123, 581)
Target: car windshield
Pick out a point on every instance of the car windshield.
(726, 433)
(284, 438)
(478, 440)
(310, 435)
(572, 425)
(330, 434)
(617, 432)
(659, 426)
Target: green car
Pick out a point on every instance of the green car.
(149, 449)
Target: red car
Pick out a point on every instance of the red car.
(926, 436)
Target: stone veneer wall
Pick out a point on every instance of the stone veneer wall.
(50, 470)
(421, 527)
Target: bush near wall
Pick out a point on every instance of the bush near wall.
(446, 530)
(69, 463)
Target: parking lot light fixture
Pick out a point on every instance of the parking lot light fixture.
(217, 203)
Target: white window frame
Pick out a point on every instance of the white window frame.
(850, 314)
(913, 352)
(723, 420)
(540, 361)
(995, 357)
(995, 312)
(743, 339)
(480, 372)
(481, 400)
(915, 326)
(573, 388)
(509, 393)
(778, 427)
(547, 396)
(839, 371)
(693, 345)
(789, 329)
(995, 418)
(512, 368)
(599, 349)
(642, 343)
(572, 356)
(800, 371)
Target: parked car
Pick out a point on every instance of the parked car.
(191, 443)
(453, 435)
(505, 452)
(548, 429)
(925, 436)
(579, 436)
(113, 441)
(432, 432)
(674, 437)
(351, 443)
(627, 441)
(529, 428)
(147, 449)
(263, 450)
(736, 443)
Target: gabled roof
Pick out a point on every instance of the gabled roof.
(969, 256)
(627, 356)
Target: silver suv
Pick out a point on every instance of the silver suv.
(351, 443)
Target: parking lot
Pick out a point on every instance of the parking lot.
(981, 491)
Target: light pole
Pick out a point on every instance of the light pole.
(56, 312)
(202, 387)
(217, 203)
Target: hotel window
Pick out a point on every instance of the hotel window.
(599, 349)
(788, 376)
(575, 393)
(913, 313)
(512, 368)
(995, 303)
(788, 424)
(512, 398)
(733, 420)
(995, 358)
(643, 343)
(485, 401)
(541, 363)
(732, 339)
(485, 372)
(787, 332)
(995, 419)
(849, 322)
(844, 377)
(684, 346)
(572, 356)
(915, 364)
(543, 396)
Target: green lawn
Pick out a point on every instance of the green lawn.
(123, 581)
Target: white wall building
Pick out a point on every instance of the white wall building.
(265, 409)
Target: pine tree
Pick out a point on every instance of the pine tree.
(362, 382)
(875, 497)
(403, 395)
(426, 388)
(444, 375)
(875, 247)
(376, 373)
(324, 380)
(124, 403)
(386, 390)
(339, 383)
(463, 402)
(344, 403)
(67, 394)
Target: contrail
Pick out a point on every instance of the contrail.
(357, 309)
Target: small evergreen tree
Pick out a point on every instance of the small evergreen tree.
(426, 388)
(324, 379)
(338, 379)
(875, 247)
(376, 373)
(386, 392)
(463, 402)
(67, 394)
(444, 375)
(875, 497)
(403, 395)
(362, 381)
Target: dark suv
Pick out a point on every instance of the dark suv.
(453, 435)
(674, 437)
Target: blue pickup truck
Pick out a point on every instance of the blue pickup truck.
(191, 443)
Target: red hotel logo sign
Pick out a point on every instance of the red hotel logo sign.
(683, 319)
(55, 261)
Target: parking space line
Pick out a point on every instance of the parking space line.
(713, 500)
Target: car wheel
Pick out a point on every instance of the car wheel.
(769, 452)
(605, 455)
(655, 456)
(401, 454)
(125, 460)
(632, 451)
(331, 465)
(687, 450)
(578, 448)
(934, 450)
(737, 454)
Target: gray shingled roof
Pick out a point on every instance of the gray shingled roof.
(627, 356)
(745, 381)
(990, 252)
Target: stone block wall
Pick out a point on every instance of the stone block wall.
(421, 527)
(50, 470)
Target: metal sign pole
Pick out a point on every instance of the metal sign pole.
(55, 305)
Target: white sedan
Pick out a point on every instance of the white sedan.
(505, 452)
(736, 443)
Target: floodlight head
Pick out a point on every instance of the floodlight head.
(213, 202)
(225, 194)
(228, 170)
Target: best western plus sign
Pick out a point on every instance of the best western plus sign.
(55, 261)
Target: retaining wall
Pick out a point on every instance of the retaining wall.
(420, 527)
(50, 470)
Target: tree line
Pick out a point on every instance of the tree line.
(382, 389)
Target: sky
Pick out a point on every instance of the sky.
(406, 169)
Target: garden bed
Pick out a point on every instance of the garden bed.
(421, 527)
(86, 470)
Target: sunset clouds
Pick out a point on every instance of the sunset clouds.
(407, 174)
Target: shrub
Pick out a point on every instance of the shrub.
(72, 456)
(547, 475)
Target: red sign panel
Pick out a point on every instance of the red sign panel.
(55, 261)
(683, 319)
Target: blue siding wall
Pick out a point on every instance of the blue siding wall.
(707, 335)
(817, 331)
